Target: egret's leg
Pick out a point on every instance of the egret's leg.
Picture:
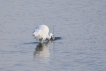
(41, 40)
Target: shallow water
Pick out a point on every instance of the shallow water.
(81, 24)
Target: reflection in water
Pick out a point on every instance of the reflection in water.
(42, 50)
(56, 38)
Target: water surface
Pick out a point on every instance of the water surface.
(81, 24)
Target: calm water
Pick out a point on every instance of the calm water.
(81, 24)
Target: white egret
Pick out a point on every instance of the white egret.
(41, 33)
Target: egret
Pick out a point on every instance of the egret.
(41, 33)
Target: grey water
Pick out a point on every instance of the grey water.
(81, 25)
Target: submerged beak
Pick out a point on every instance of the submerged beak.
(52, 38)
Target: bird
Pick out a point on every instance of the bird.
(41, 33)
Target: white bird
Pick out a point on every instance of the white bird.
(41, 33)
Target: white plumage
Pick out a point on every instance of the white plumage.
(42, 32)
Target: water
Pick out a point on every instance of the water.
(81, 24)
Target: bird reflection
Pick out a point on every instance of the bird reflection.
(42, 50)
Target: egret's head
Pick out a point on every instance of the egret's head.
(51, 36)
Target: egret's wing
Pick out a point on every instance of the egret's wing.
(37, 32)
